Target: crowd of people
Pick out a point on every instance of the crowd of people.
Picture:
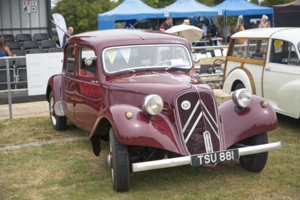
(225, 32)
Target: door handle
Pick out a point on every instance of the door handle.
(268, 69)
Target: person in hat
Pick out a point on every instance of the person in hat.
(186, 22)
(264, 22)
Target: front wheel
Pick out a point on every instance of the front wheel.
(58, 122)
(255, 162)
(119, 158)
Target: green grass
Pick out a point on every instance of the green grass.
(71, 171)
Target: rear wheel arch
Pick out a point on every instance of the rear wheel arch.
(49, 89)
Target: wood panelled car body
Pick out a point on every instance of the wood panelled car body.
(268, 65)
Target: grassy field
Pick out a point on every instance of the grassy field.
(69, 170)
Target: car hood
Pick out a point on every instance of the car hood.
(132, 89)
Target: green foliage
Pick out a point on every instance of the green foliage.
(82, 14)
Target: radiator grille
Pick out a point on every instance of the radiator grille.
(200, 117)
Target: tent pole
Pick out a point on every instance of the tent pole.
(224, 28)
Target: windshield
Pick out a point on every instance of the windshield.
(131, 58)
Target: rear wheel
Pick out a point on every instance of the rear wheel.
(58, 122)
(239, 85)
(255, 162)
(120, 169)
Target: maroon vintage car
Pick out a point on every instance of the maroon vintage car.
(139, 91)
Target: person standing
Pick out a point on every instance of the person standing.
(241, 28)
(264, 22)
(166, 25)
(67, 36)
(203, 27)
(226, 32)
(4, 50)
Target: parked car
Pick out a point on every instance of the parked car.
(139, 91)
(267, 65)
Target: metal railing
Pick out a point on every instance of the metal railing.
(16, 75)
(9, 82)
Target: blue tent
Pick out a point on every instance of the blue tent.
(185, 8)
(242, 7)
(128, 10)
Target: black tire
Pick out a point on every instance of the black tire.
(255, 162)
(58, 122)
(120, 170)
(239, 85)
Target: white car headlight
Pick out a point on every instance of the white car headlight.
(242, 97)
(153, 104)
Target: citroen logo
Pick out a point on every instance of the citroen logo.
(185, 105)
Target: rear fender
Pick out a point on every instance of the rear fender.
(251, 121)
(56, 85)
(140, 130)
(237, 74)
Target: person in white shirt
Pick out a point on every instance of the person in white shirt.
(203, 27)
(226, 32)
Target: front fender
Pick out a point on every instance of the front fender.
(237, 74)
(142, 130)
(288, 98)
(251, 121)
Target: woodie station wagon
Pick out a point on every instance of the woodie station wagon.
(139, 91)
(268, 65)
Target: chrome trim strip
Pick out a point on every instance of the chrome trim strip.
(191, 116)
(193, 128)
(212, 127)
(185, 160)
(209, 114)
(207, 142)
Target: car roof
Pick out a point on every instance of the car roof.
(278, 33)
(119, 37)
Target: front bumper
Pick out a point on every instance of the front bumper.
(185, 160)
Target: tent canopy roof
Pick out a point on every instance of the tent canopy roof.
(288, 7)
(242, 7)
(185, 8)
(131, 9)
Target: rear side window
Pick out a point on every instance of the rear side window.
(283, 52)
(89, 70)
(249, 48)
(70, 60)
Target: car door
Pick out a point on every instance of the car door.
(88, 100)
(68, 75)
(281, 78)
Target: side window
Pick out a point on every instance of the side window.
(87, 70)
(250, 48)
(70, 60)
(283, 52)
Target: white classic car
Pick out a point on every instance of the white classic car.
(266, 61)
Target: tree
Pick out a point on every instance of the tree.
(82, 14)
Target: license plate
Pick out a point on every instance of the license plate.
(215, 157)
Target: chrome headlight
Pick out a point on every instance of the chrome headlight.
(153, 104)
(242, 97)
